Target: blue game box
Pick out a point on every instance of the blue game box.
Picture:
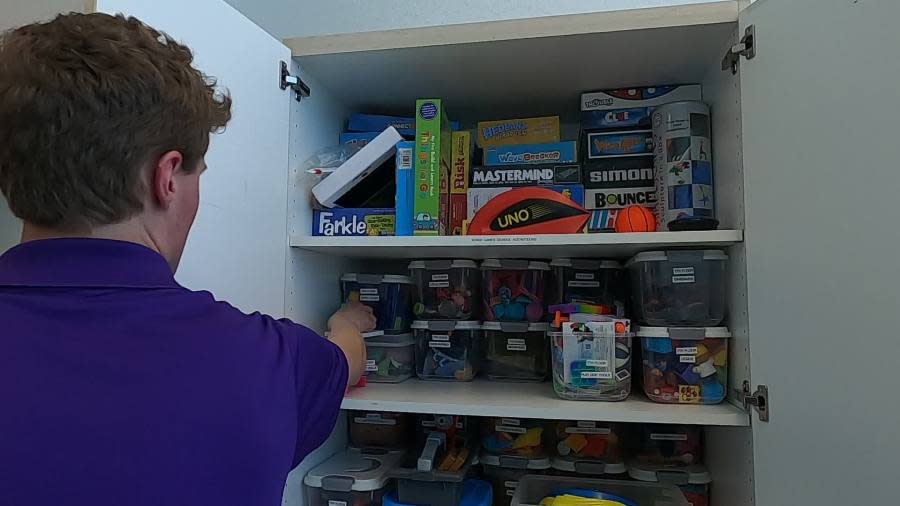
(353, 222)
(551, 152)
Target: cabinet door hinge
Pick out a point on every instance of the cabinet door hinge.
(745, 48)
(286, 80)
(758, 399)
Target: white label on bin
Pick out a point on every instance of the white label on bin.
(587, 430)
(369, 295)
(686, 350)
(584, 284)
(440, 337)
(439, 344)
(337, 503)
(368, 291)
(687, 359)
(586, 424)
(438, 284)
(605, 375)
(440, 277)
(683, 275)
(596, 363)
(510, 421)
(514, 344)
(667, 437)
(682, 279)
(371, 365)
(511, 430)
(367, 420)
(623, 375)
(584, 275)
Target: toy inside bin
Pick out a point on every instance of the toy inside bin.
(592, 360)
(534, 489)
(685, 365)
(693, 480)
(447, 350)
(587, 447)
(446, 289)
(513, 290)
(352, 477)
(684, 287)
(669, 445)
(390, 358)
(389, 296)
(515, 437)
(595, 282)
(516, 351)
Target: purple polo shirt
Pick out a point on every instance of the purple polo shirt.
(120, 387)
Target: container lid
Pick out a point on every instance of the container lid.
(516, 326)
(445, 325)
(392, 340)
(659, 256)
(366, 335)
(442, 264)
(686, 333)
(358, 470)
(587, 466)
(587, 265)
(506, 264)
(695, 474)
(514, 462)
(475, 493)
(377, 278)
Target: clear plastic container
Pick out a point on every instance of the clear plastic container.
(685, 288)
(475, 493)
(514, 290)
(533, 489)
(693, 480)
(389, 296)
(518, 437)
(593, 365)
(669, 445)
(595, 282)
(377, 429)
(351, 478)
(460, 431)
(516, 351)
(446, 289)
(587, 447)
(447, 350)
(436, 476)
(685, 365)
(505, 479)
(390, 358)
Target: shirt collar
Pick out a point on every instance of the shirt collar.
(85, 262)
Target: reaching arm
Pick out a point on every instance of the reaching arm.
(346, 327)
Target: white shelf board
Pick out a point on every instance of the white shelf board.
(529, 400)
(514, 246)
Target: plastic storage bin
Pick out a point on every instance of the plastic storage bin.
(514, 290)
(517, 437)
(669, 445)
(685, 365)
(679, 287)
(376, 429)
(693, 481)
(446, 289)
(460, 431)
(504, 480)
(475, 493)
(390, 358)
(593, 365)
(516, 351)
(351, 478)
(389, 296)
(533, 489)
(436, 476)
(587, 447)
(447, 350)
(596, 282)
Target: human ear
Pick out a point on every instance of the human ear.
(163, 177)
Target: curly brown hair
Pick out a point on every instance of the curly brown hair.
(86, 102)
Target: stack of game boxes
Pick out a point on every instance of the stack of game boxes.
(618, 148)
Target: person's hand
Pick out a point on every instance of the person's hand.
(359, 316)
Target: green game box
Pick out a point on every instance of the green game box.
(433, 151)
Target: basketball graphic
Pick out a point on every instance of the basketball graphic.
(635, 219)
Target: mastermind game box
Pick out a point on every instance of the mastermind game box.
(483, 176)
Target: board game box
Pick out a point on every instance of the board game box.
(524, 175)
(431, 201)
(551, 152)
(478, 197)
(517, 131)
(353, 222)
(459, 180)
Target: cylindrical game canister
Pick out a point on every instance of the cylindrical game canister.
(683, 166)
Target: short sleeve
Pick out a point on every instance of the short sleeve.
(321, 370)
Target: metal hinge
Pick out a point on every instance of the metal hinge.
(758, 399)
(745, 48)
(301, 90)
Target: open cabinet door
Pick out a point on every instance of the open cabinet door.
(238, 246)
(822, 171)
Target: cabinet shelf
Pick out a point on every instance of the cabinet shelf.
(514, 246)
(530, 400)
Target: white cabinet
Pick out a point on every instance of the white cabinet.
(806, 178)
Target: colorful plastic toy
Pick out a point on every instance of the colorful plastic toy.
(513, 290)
(587, 440)
(635, 219)
(513, 436)
(389, 359)
(685, 365)
(447, 350)
(446, 289)
(592, 361)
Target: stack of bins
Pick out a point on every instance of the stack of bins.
(389, 349)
